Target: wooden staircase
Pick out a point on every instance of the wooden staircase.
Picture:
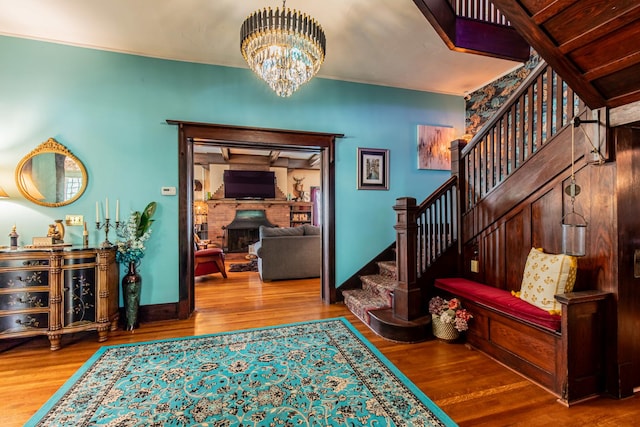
(393, 301)
(436, 237)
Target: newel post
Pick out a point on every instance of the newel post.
(407, 298)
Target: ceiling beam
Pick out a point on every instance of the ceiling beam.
(273, 156)
(625, 114)
(206, 159)
(314, 160)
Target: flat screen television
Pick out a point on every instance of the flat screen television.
(242, 184)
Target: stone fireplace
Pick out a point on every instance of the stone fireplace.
(244, 229)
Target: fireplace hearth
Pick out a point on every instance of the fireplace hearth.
(244, 229)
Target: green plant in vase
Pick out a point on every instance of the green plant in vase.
(130, 248)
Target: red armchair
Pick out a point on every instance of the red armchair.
(209, 261)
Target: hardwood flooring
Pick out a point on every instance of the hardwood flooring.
(473, 389)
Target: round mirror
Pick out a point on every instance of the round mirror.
(51, 176)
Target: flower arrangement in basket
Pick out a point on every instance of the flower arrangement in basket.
(449, 318)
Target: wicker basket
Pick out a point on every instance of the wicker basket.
(444, 331)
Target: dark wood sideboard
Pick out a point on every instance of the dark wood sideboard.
(56, 291)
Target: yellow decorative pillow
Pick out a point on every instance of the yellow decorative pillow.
(546, 275)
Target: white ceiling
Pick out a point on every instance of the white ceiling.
(381, 42)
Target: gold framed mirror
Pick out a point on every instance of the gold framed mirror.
(51, 176)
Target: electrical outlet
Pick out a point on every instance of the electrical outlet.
(475, 266)
(74, 219)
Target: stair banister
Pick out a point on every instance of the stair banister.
(537, 110)
(436, 237)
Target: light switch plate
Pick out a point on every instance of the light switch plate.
(168, 191)
(74, 219)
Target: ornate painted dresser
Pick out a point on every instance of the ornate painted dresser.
(56, 291)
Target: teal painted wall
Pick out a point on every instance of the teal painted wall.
(109, 109)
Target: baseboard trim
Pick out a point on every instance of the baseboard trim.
(155, 312)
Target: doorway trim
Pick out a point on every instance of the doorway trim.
(263, 138)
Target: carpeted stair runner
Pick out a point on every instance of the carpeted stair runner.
(376, 292)
(388, 269)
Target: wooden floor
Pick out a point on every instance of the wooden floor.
(472, 389)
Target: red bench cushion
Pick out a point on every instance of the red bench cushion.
(500, 300)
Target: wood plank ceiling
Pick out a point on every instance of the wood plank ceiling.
(592, 44)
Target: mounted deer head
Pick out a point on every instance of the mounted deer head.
(298, 185)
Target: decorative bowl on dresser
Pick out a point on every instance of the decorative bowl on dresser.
(58, 290)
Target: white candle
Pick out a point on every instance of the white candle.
(97, 211)
(106, 208)
(117, 210)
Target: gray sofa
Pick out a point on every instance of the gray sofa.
(289, 253)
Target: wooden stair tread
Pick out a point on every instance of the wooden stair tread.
(385, 324)
(387, 315)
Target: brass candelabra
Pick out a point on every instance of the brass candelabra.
(106, 225)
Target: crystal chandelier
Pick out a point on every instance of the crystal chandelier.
(285, 48)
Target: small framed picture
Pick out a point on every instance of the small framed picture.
(373, 169)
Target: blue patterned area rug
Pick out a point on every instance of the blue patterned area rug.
(320, 373)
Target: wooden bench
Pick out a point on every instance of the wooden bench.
(564, 354)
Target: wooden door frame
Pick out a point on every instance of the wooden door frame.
(263, 138)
